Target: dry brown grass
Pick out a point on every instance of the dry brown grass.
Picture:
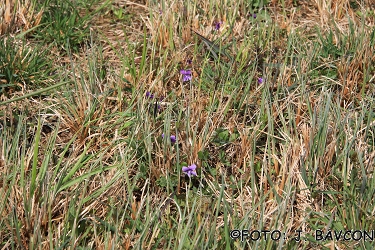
(281, 155)
(17, 15)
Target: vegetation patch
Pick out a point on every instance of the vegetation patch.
(187, 124)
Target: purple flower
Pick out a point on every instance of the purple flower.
(186, 75)
(172, 137)
(260, 80)
(189, 61)
(149, 95)
(217, 25)
(254, 15)
(190, 170)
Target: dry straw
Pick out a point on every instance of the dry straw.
(18, 15)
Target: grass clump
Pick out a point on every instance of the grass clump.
(23, 64)
(65, 23)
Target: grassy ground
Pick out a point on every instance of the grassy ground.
(105, 103)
